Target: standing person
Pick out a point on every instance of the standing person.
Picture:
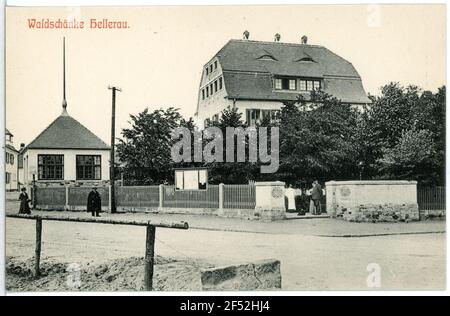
(94, 203)
(290, 195)
(24, 200)
(316, 196)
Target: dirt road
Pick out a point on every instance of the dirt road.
(307, 262)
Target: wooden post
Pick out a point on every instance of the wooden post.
(33, 193)
(149, 257)
(161, 196)
(67, 197)
(38, 247)
(221, 196)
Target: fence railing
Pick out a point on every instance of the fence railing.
(208, 198)
(239, 196)
(431, 199)
(136, 197)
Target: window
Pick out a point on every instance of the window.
(207, 91)
(303, 85)
(8, 177)
(7, 158)
(278, 84)
(309, 85)
(292, 84)
(211, 88)
(89, 167)
(220, 83)
(256, 116)
(207, 70)
(253, 117)
(215, 86)
(11, 159)
(191, 179)
(203, 94)
(50, 167)
(211, 68)
(215, 64)
(316, 85)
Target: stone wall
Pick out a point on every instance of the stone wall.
(373, 201)
(382, 213)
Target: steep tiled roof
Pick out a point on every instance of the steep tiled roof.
(248, 68)
(67, 133)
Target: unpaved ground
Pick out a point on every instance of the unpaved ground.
(407, 262)
(308, 227)
(115, 275)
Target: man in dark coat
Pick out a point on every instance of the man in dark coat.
(94, 203)
(24, 200)
(316, 196)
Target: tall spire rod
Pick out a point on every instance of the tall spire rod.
(64, 103)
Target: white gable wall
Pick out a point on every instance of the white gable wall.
(11, 168)
(30, 163)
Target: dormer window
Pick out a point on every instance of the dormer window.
(306, 59)
(267, 57)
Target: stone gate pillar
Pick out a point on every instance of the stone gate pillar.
(270, 200)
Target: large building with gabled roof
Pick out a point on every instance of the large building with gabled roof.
(65, 152)
(257, 77)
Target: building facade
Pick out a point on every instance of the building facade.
(11, 163)
(257, 77)
(66, 152)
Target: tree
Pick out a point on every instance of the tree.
(231, 172)
(145, 148)
(317, 140)
(381, 131)
(411, 158)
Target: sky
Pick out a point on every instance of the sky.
(158, 60)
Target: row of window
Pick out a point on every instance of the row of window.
(253, 117)
(9, 158)
(51, 167)
(213, 66)
(291, 84)
(212, 88)
(256, 116)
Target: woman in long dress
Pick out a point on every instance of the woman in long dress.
(24, 200)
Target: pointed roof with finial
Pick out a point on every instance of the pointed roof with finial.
(65, 132)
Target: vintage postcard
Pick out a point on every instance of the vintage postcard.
(225, 148)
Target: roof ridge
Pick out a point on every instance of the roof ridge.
(275, 43)
(66, 119)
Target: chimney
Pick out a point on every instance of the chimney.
(277, 37)
(22, 145)
(246, 35)
(304, 39)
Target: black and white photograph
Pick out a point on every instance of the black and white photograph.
(253, 148)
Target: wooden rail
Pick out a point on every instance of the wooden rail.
(149, 242)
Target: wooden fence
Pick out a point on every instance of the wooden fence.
(149, 242)
(431, 198)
